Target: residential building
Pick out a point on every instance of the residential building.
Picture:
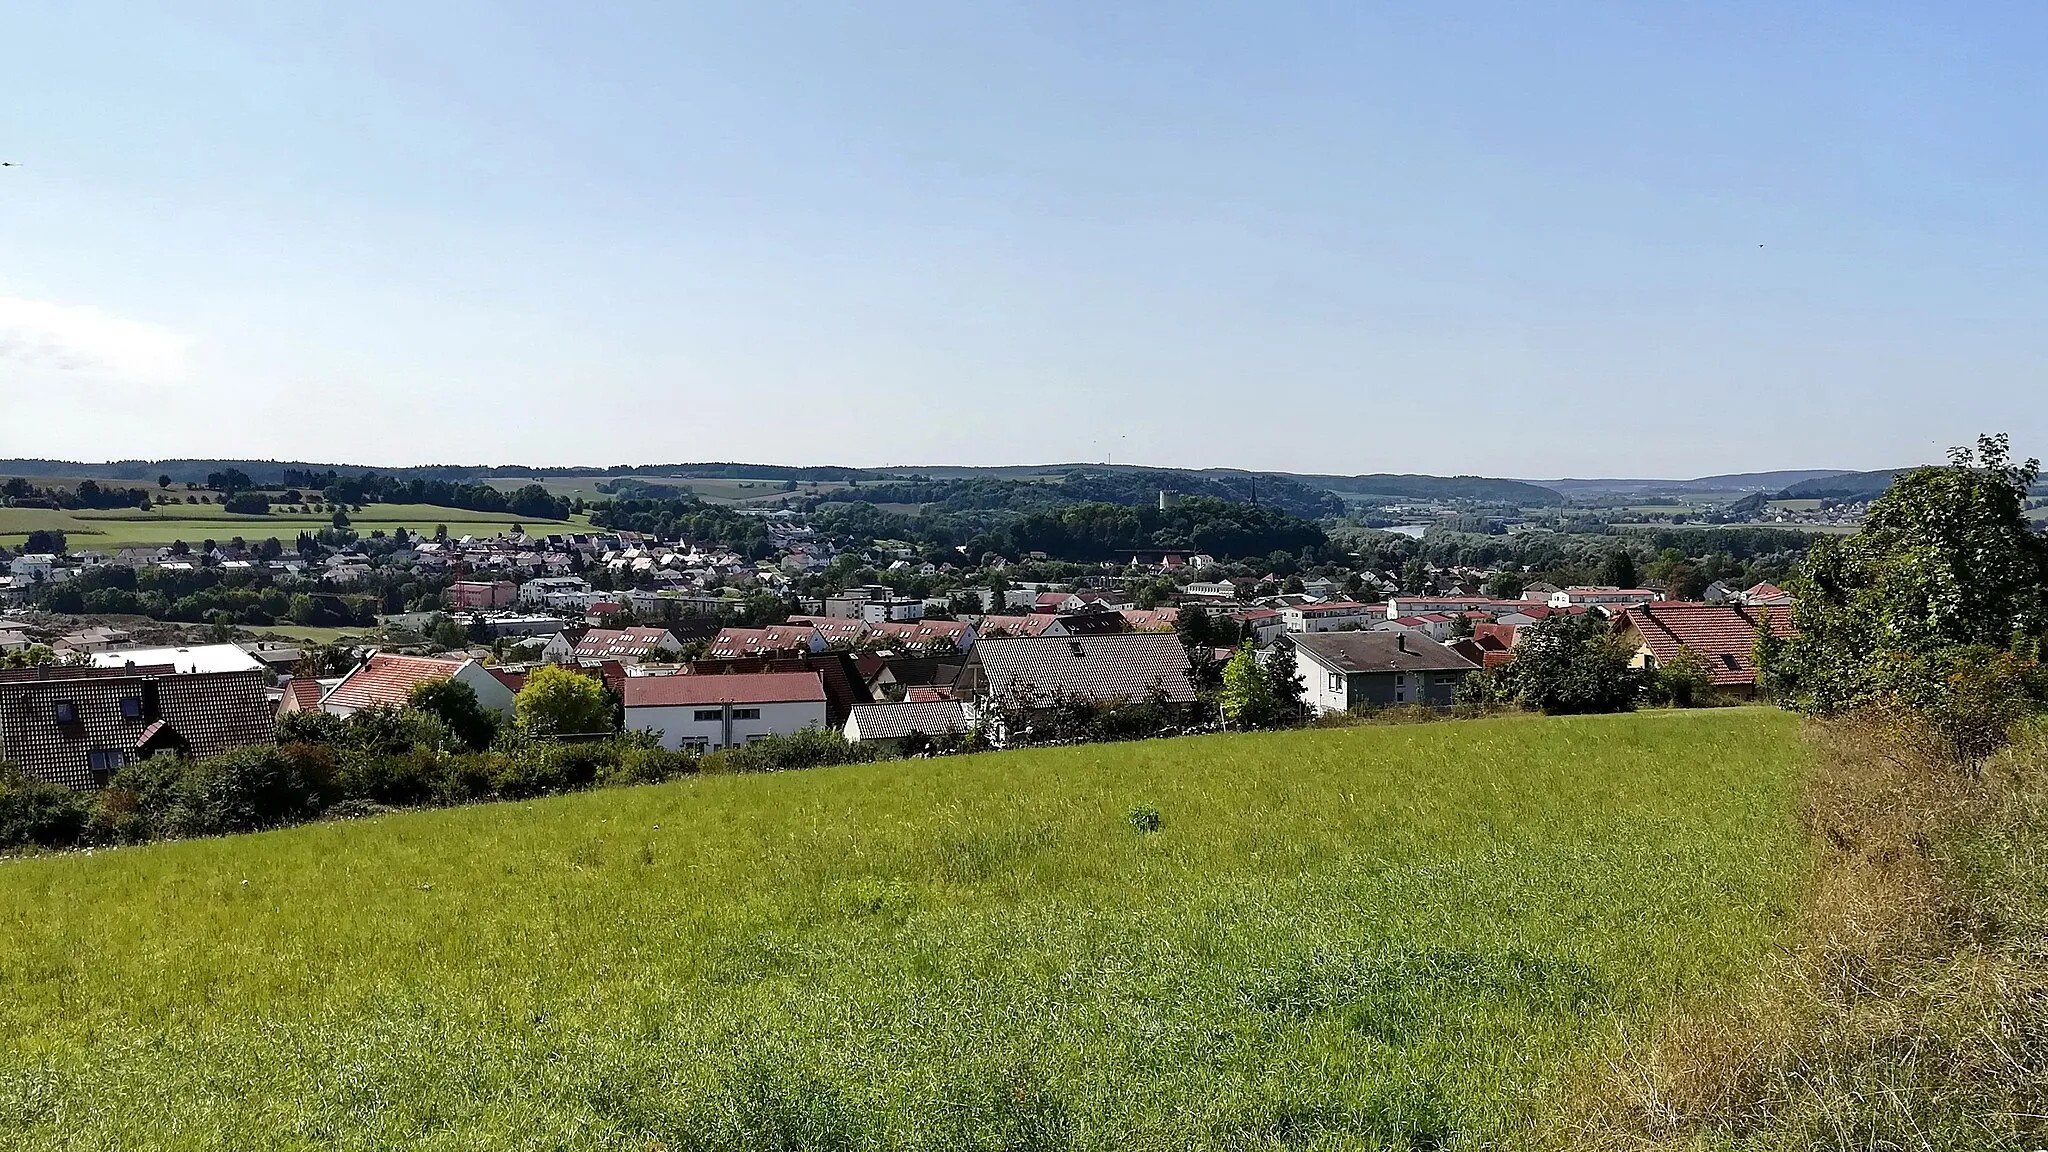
(707, 713)
(387, 680)
(98, 638)
(1151, 619)
(839, 631)
(1599, 596)
(1262, 624)
(543, 590)
(195, 658)
(1331, 616)
(775, 639)
(481, 595)
(1722, 634)
(39, 568)
(893, 723)
(1435, 626)
(1021, 671)
(1767, 595)
(77, 726)
(626, 645)
(1346, 670)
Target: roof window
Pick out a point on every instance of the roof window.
(67, 711)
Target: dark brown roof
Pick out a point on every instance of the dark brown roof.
(204, 713)
(1128, 665)
(895, 721)
(1380, 652)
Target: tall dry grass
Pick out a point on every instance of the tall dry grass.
(1909, 1007)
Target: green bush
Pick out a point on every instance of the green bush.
(810, 748)
(36, 812)
(643, 762)
(252, 788)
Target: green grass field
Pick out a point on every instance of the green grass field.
(166, 523)
(715, 491)
(1376, 938)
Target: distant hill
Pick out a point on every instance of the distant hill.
(1294, 489)
(1843, 486)
(1417, 487)
(1731, 482)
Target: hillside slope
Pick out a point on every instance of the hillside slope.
(1386, 937)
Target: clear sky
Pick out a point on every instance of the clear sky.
(1511, 239)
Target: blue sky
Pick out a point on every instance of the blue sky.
(1509, 239)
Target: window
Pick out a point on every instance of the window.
(131, 707)
(104, 762)
(1336, 681)
(67, 712)
(708, 714)
(746, 713)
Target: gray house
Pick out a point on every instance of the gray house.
(1345, 670)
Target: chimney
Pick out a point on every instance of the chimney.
(1401, 641)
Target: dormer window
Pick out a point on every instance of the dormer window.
(67, 712)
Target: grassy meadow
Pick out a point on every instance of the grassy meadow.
(104, 529)
(1389, 937)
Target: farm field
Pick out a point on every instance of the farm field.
(164, 524)
(1380, 937)
(309, 634)
(712, 491)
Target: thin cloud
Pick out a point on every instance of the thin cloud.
(77, 338)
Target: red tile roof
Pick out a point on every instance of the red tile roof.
(304, 692)
(622, 643)
(1722, 633)
(387, 680)
(736, 688)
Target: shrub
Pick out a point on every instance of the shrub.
(1685, 679)
(638, 759)
(259, 787)
(36, 812)
(810, 748)
(558, 702)
(456, 704)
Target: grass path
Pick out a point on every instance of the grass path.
(1380, 937)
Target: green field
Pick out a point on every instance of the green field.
(719, 491)
(166, 523)
(1375, 937)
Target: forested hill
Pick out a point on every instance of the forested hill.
(1304, 494)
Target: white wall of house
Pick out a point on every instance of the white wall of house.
(1319, 618)
(709, 727)
(1323, 688)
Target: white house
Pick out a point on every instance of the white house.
(700, 713)
(1331, 616)
(537, 590)
(38, 568)
(1584, 596)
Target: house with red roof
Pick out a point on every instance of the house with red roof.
(1723, 634)
(774, 640)
(387, 680)
(1767, 595)
(707, 713)
(626, 645)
